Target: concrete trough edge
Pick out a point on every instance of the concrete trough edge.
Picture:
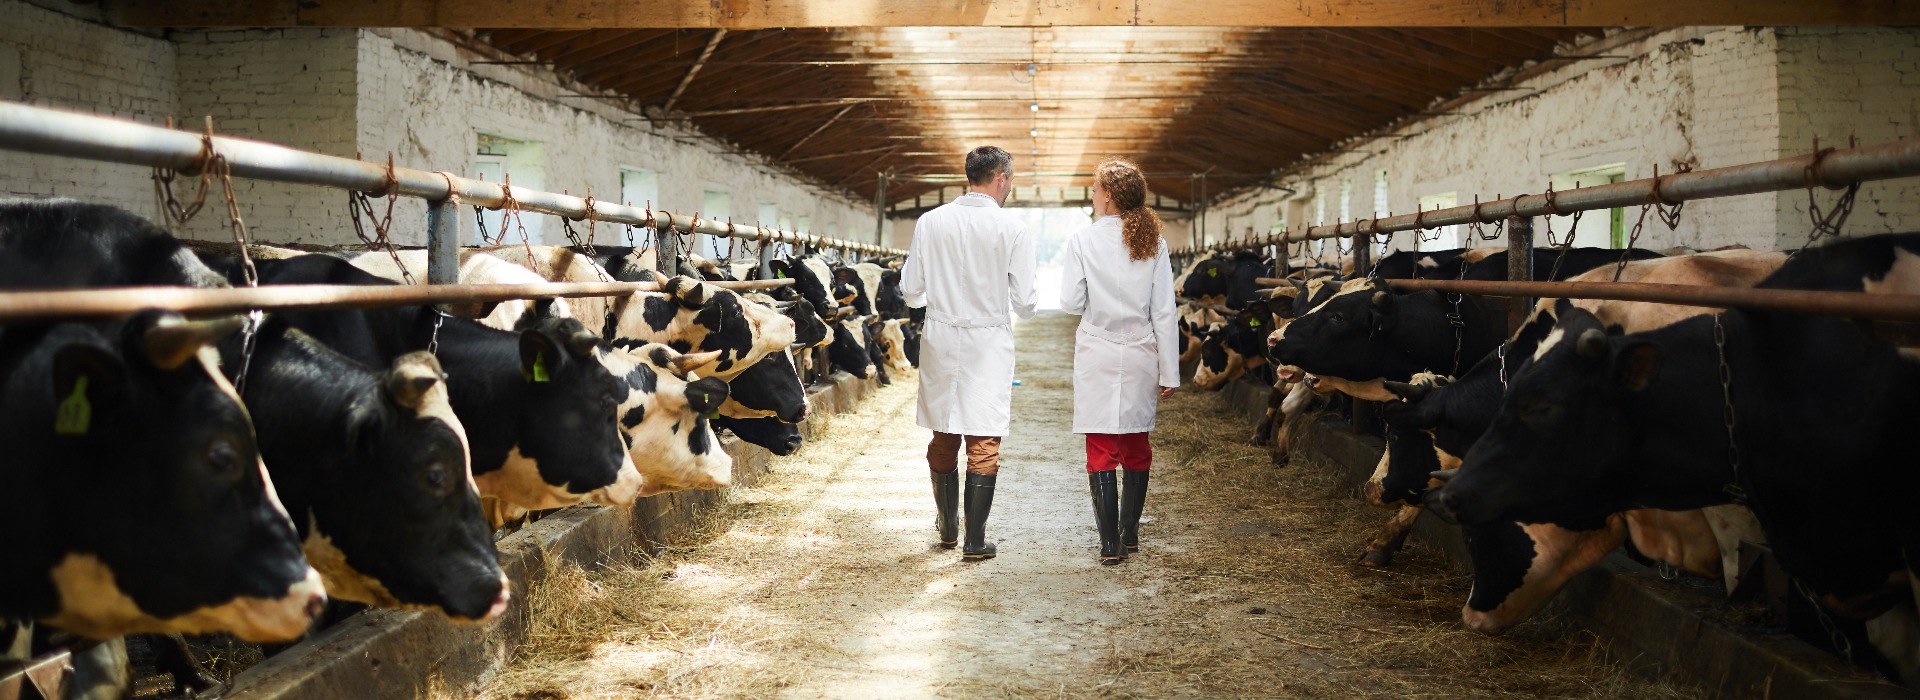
(1642, 622)
(392, 653)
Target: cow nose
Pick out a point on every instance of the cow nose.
(500, 600)
(1445, 504)
(793, 445)
(316, 604)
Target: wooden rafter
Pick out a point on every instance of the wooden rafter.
(680, 89)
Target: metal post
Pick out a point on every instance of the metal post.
(668, 246)
(1283, 263)
(766, 260)
(1519, 267)
(880, 211)
(1361, 255)
(1203, 207)
(443, 241)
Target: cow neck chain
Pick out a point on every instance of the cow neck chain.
(1459, 325)
(433, 341)
(1836, 637)
(1732, 488)
(1503, 367)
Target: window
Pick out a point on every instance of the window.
(1601, 229)
(1346, 200)
(714, 206)
(1380, 204)
(1449, 236)
(1320, 219)
(498, 157)
(639, 187)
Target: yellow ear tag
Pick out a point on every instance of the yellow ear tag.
(1213, 272)
(75, 414)
(539, 368)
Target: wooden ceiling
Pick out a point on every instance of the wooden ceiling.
(845, 104)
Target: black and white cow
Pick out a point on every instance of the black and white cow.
(780, 438)
(540, 406)
(180, 529)
(188, 536)
(1597, 421)
(373, 467)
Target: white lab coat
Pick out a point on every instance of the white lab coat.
(969, 263)
(1128, 345)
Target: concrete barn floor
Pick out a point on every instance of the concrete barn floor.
(824, 582)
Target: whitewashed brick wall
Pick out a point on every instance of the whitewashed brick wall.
(1703, 97)
(49, 59)
(1838, 83)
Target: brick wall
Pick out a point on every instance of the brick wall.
(342, 92)
(50, 59)
(1704, 97)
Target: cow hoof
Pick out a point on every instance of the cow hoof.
(1374, 560)
(1280, 458)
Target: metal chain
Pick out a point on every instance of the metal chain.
(573, 236)
(1829, 223)
(217, 164)
(1503, 366)
(1573, 231)
(1839, 639)
(1732, 489)
(358, 202)
(1633, 237)
(433, 341)
(172, 212)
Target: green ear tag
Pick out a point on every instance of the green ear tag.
(540, 367)
(1254, 322)
(75, 414)
(779, 274)
(1213, 272)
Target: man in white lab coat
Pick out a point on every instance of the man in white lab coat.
(969, 264)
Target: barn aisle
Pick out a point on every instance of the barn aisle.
(824, 582)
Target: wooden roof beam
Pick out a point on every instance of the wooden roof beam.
(712, 44)
(747, 14)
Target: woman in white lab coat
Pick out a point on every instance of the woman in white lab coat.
(1127, 352)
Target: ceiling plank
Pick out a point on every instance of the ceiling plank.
(748, 14)
(712, 44)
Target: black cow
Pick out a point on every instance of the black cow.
(889, 301)
(779, 437)
(1600, 422)
(811, 275)
(61, 243)
(539, 407)
(1416, 264)
(373, 467)
(179, 529)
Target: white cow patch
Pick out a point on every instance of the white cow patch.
(92, 605)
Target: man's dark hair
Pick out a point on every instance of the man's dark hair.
(985, 162)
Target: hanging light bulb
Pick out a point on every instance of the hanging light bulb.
(1033, 132)
(1033, 69)
(1034, 106)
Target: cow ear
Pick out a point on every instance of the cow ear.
(173, 340)
(1637, 365)
(705, 396)
(582, 343)
(539, 356)
(682, 365)
(1591, 345)
(412, 377)
(86, 378)
(363, 428)
(686, 290)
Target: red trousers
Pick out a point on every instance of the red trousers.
(1130, 451)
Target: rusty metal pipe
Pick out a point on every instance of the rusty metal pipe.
(1887, 307)
(1831, 169)
(19, 307)
(54, 132)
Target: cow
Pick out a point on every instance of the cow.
(664, 420)
(848, 352)
(189, 535)
(373, 467)
(889, 301)
(510, 315)
(1231, 350)
(180, 529)
(539, 405)
(1598, 420)
(811, 277)
(888, 342)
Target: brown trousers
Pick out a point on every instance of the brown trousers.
(983, 453)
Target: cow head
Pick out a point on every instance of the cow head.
(1557, 451)
(1208, 281)
(570, 445)
(850, 289)
(392, 514)
(891, 340)
(849, 349)
(1351, 335)
(664, 418)
(889, 301)
(137, 498)
(778, 437)
(692, 316)
(1518, 567)
(810, 277)
(771, 388)
(910, 342)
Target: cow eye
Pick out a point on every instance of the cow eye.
(436, 477)
(223, 459)
(1336, 318)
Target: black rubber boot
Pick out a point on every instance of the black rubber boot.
(1133, 499)
(979, 503)
(1106, 514)
(946, 498)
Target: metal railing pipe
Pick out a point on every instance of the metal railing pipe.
(47, 305)
(1831, 168)
(53, 132)
(1886, 307)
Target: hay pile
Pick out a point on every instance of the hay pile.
(821, 584)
